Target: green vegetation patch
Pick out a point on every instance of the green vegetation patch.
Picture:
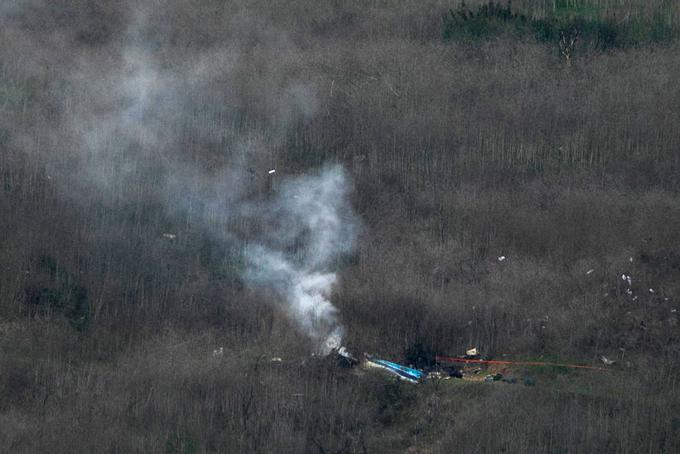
(17, 95)
(580, 8)
(55, 291)
(567, 24)
(490, 20)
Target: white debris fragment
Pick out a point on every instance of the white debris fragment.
(169, 236)
(501, 258)
(435, 375)
(218, 352)
(630, 259)
(607, 361)
(629, 291)
(651, 290)
(627, 278)
(634, 298)
(472, 352)
(673, 311)
(590, 271)
(272, 171)
(276, 359)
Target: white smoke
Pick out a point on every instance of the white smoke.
(309, 227)
(8, 7)
(140, 119)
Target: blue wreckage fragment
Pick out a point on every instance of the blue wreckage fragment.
(403, 372)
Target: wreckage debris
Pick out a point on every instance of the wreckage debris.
(472, 353)
(402, 372)
(437, 375)
(455, 372)
(447, 368)
(345, 358)
(493, 378)
(342, 351)
(607, 361)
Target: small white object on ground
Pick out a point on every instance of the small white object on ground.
(630, 259)
(272, 171)
(276, 359)
(501, 258)
(170, 236)
(218, 352)
(651, 290)
(590, 271)
(472, 352)
(607, 361)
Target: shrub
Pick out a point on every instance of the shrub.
(593, 30)
(53, 291)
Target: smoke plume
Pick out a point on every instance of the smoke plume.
(144, 112)
(310, 225)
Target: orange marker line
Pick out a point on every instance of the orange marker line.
(445, 359)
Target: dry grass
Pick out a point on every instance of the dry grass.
(460, 152)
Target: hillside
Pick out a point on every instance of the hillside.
(404, 178)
